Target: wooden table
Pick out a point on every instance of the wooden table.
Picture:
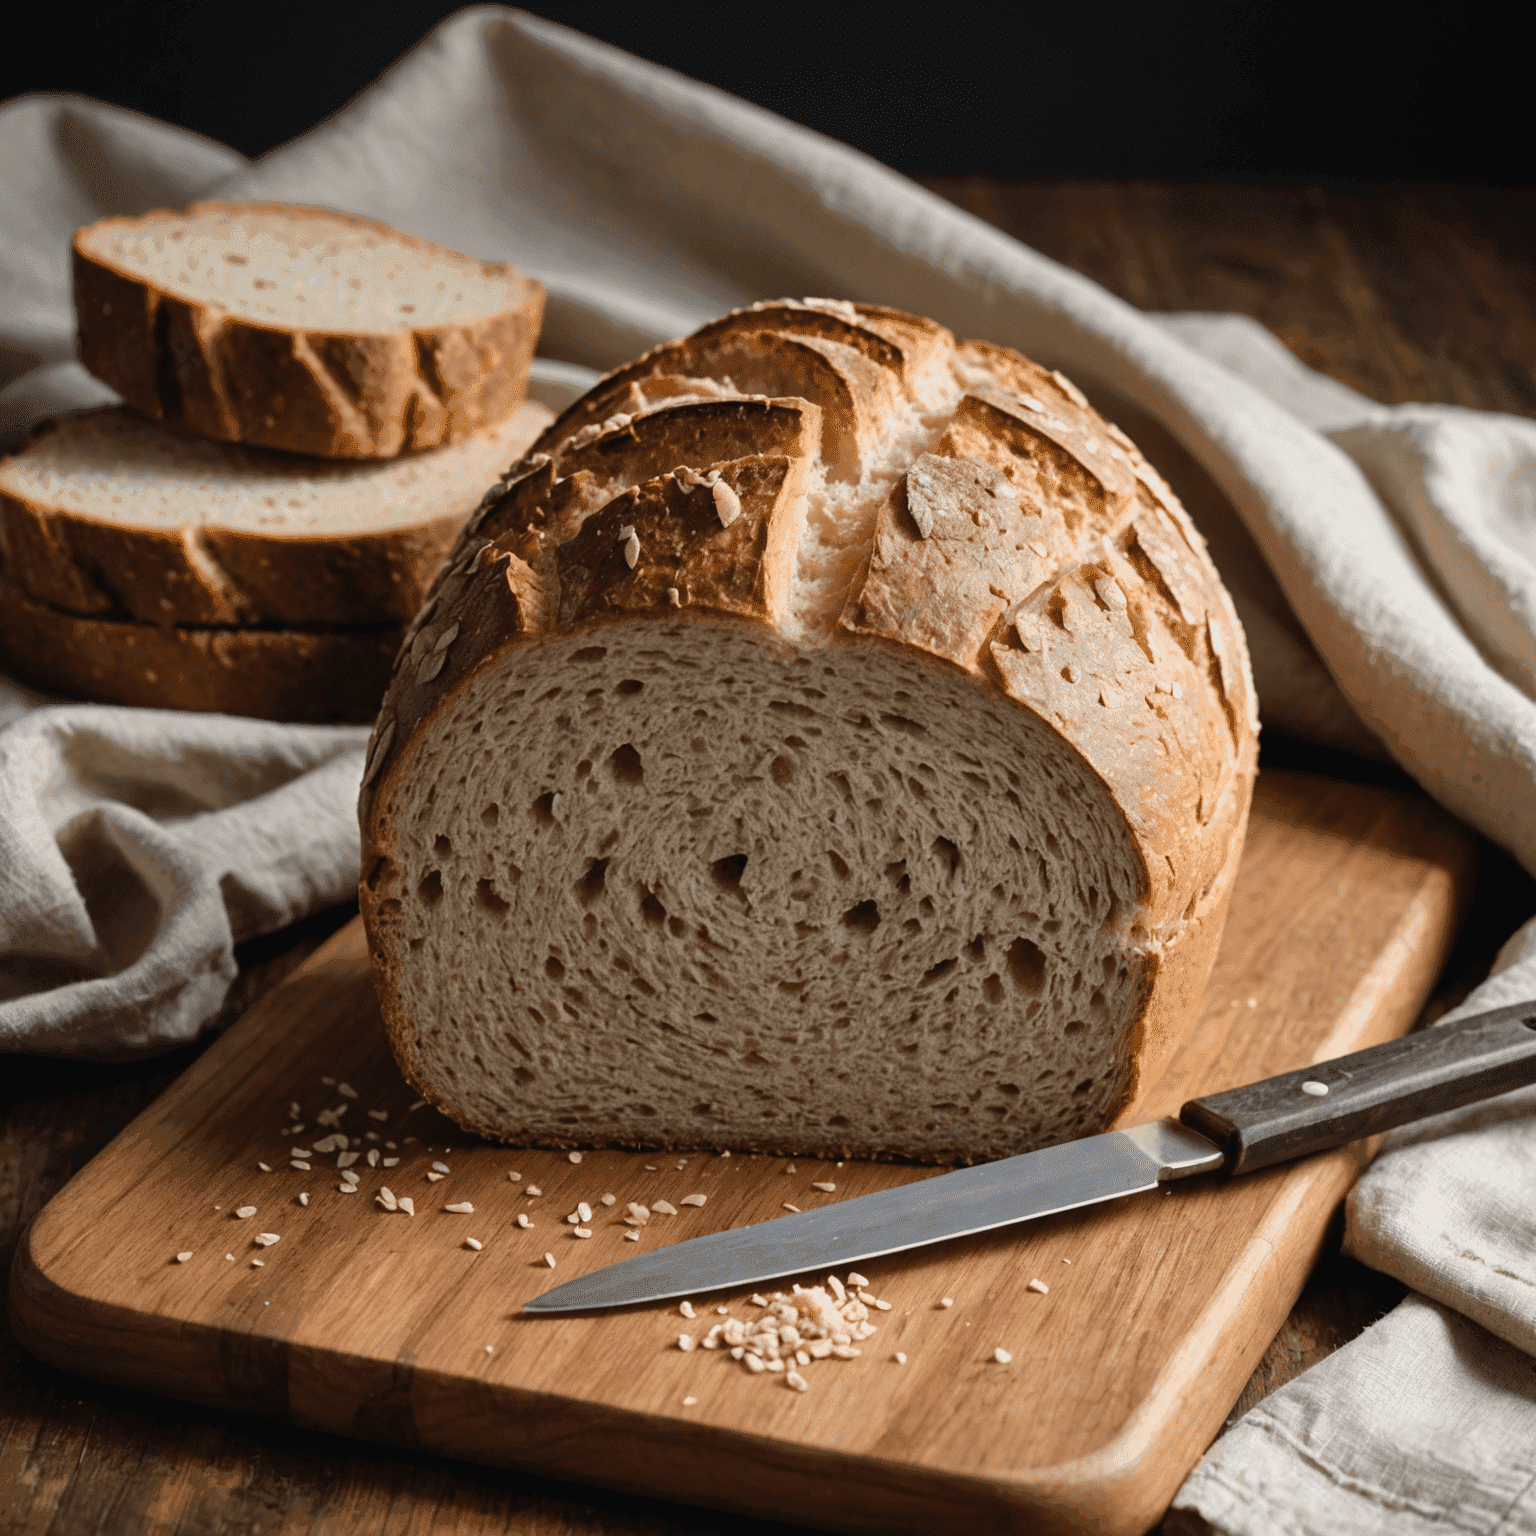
(1411, 293)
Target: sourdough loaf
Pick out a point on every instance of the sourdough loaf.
(302, 329)
(310, 676)
(831, 738)
(105, 514)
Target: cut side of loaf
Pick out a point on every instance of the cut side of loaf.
(831, 739)
(302, 329)
(313, 676)
(106, 514)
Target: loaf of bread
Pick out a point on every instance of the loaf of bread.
(108, 515)
(302, 329)
(312, 676)
(831, 739)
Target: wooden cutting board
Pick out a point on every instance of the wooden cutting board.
(391, 1327)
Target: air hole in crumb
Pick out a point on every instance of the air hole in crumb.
(651, 908)
(977, 949)
(486, 895)
(583, 768)
(839, 868)
(625, 765)
(1096, 998)
(1074, 1027)
(441, 846)
(491, 814)
(553, 968)
(1083, 1086)
(838, 1120)
(933, 973)
(795, 741)
(866, 916)
(522, 1074)
(992, 988)
(629, 685)
(544, 809)
(1011, 1089)
(431, 888)
(676, 927)
(728, 871)
(946, 853)
(782, 769)
(905, 726)
(377, 873)
(590, 653)
(1026, 965)
(705, 1018)
(590, 886)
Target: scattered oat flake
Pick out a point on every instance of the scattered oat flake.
(574, 1157)
(346, 1189)
(946, 1301)
(584, 1211)
(330, 1082)
(474, 1243)
(856, 1279)
(899, 1358)
(346, 1159)
(391, 1162)
(257, 1264)
(378, 1114)
(514, 1177)
(650, 1167)
(549, 1259)
(694, 1199)
(490, 1349)
(826, 1186)
(685, 1342)
(1039, 1285)
(610, 1199)
(181, 1258)
(245, 1211)
(386, 1198)
(265, 1167)
(419, 1104)
(266, 1239)
(229, 1256)
(304, 1199)
(796, 1380)
(686, 1308)
(533, 1189)
(522, 1220)
(688, 1402)
(581, 1231)
(373, 1157)
(346, 1090)
(665, 1207)
(1002, 1356)
(789, 1207)
(441, 1167)
(462, 1208)
(434, 1178)
(407, 1205)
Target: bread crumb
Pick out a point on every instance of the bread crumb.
(674, 597)
(391, 1162)
(1039, 1285)
(899, 1358)
(1002, 1356)
(727, 504)
(373, 1157)
(856, 1279)
(694, 1199)
(490, 1349)
(346, 1159)
(229, 1256)
(181, 1258)
(688, 1402)
(574, 1157)
(1314, 1090)
(790, 1169)
(757, 1299)
(461, 1208)
(1066, 1261)
(650, 1167)
(245, 1212)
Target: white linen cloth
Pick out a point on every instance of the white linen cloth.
(1396, 544)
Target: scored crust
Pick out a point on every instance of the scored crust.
(106, 515)
(305, 677)
(335, 391)
(877, 790)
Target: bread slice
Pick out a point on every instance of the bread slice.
(107, 514)
(876, 791)
(302, 329)
(309, 676)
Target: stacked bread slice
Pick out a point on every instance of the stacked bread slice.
(315, 404)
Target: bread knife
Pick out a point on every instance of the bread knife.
(1237, 1132)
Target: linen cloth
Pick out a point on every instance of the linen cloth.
(1382, 559)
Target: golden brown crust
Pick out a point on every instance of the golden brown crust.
(1031, 548)
(332, 395)
(204, 574)
(267, 674)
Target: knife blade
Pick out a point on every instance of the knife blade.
(1301, 1112)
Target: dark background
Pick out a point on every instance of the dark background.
(1207, 89)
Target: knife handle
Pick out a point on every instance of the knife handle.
(1370, 1091)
